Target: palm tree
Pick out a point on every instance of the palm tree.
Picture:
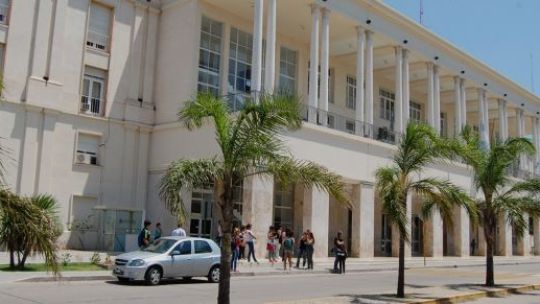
(500, 196)
(418, 148)
(29, 225)
(249, 144)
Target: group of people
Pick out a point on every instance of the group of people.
(146, 236)
(240, 239)
(281, 241)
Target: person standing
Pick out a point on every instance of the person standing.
(288, 249)
(235, 248)
(271, 245)
(310, 243)
(242, 246)
(249, 238)
(145, 235)
(301, 251)
(158, 232)
(340, 253)
(219, 233)
(179, 231)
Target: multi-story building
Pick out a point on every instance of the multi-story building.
(93, 87)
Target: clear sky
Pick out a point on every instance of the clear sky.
(500, 33)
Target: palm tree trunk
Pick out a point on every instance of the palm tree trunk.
(401, 269)
(489, 233)
(225, 196)
(11, 259)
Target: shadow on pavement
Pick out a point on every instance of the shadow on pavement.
(163, 282)
(380, 298)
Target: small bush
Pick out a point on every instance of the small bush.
(95, 258)
(66, 258)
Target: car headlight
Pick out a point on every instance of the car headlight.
(138, 262)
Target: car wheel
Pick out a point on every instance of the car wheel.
(123, 280)
(187, 278)
(214, 274)
(153, 276)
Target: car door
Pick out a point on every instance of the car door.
(181, 259)
(202, 258)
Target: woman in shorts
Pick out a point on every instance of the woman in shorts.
(288, 249)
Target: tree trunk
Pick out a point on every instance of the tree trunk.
(23, 261)
(401, 270)
(11, 259)
(224, 190)
(489, 234)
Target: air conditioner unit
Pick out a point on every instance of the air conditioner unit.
(88, 159)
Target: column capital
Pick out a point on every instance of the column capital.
(406, 53)
(429, 64)
(369, 35)
(325, 11)
(360, 30)
(398, 49)
(456, 79)
(315, 8)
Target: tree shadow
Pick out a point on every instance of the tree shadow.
(163, 282)
(382, 298)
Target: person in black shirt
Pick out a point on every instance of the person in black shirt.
(340, 252)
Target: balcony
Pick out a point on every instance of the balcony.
(90, 106)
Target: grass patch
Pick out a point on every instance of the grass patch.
(68, 267)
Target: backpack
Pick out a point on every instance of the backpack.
(288, 244)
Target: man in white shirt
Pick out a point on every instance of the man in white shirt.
(178, 231)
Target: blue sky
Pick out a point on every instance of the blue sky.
(501, 33)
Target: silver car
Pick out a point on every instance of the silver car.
(170, 257)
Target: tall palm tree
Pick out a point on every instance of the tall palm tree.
(249, 144)
(500, 197)
(418, 148)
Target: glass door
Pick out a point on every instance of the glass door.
(201, 214)
(417, 236)
(386, 236)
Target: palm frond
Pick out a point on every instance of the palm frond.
(288, 170)
(393, 193)
(185, 175)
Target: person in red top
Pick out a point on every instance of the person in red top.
(235, 248)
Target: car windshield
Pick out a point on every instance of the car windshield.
(160, 246)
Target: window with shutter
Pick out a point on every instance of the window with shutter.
(4, 11)
(99, 27)
(93, 91)
(87, 149)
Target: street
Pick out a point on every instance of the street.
(364, 287)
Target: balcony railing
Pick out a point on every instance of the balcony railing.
(90, 106)
(349, 125)
(97, 41)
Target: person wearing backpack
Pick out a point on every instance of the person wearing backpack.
(288, 249)
(145, 235)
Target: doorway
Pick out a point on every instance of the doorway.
(417, 240)
(386, 236)
(201, 213)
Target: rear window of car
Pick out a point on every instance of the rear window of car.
(202, 247)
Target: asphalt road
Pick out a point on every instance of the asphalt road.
(525, 298)
(262, 289)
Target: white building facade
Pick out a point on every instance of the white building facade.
(93, 88)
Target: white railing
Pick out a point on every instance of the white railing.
(97, 41)
(90, 106)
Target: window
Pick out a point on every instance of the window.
(87, 149)
(99, 27)
(531, 225)
(184, 248)
(444, 127)
(350, 126)
(351, 92)
(82, 216)
(202, 247)
(287, 70)
(92, 93)
(283, 205)
(241, 49)
(386, 104)
(210, 56)
(4, 11)
(415, 112)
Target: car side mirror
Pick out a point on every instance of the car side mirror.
(175, 252)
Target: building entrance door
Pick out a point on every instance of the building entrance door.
(201, 214)
(386, 236)
(417, 241)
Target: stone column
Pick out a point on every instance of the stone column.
(436, 99)
(433, 240)
(458, 119)
(483, 124)
(369, 80)
(504, 237)
(481, 242)
(270, 63)
(536, 141)
(256, 60)
(395, 232)
(360, 95)
(315, 217)
(536, 224)
(524, 242)
(503, 120)
(520, 127)
(325, 66)
(314, 65)
(463, 99)
(398, 103)
(406, 89)
(462, 232)
(363, 219)
(258, 203)
(430, 96)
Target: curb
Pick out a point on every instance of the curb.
(460, 298)
(272, 273)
